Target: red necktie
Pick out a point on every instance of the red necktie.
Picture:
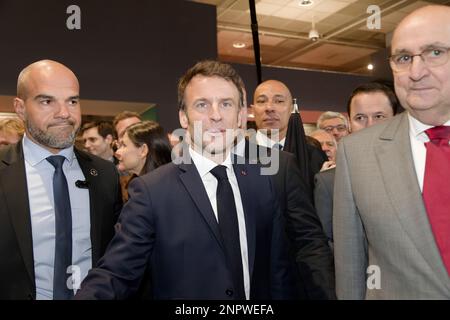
(436, 188)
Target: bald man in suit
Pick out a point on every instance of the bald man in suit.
(391, 221)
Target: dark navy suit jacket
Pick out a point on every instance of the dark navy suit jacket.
(169, 224)
(16, 242)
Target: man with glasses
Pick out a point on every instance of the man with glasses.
(334, 123)
(391, 207)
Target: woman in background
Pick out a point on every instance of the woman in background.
(143, 148)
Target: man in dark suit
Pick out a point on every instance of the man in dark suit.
(369, 104)
(44, 240)
(198, 246)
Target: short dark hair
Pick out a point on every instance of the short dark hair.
(152, 134)
(210, 68)
(104, 128)
(373, 87)
(125, 115)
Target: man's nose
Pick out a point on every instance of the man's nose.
(214, 113)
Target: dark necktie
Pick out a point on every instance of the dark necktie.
(229, 228)
(63, 231)
(436, 188)
(278, 146)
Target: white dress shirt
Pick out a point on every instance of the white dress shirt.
(39, 173)
(418, 137)
(204, 166)
(265, 141)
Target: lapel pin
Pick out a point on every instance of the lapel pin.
(243, 172)
(93, 172)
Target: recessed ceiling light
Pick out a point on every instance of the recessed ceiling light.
(238, 45)
(370, 66)
(305, 3)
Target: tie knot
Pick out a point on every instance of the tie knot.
(220, 172)
(56, 161)
(278, 146)
(438, 134)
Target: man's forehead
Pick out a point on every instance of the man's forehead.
(423, 29)
(272, 88)
(333, 120)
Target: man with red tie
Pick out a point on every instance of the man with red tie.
(392, 190)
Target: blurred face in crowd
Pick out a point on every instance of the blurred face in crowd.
(125, 123)
(423, 82)
(367, 109)
(131, 157)
(272, 107)
(7, 137)
(211, 107)
(327, 142)
(336, 127)
(48, 102)
(96, 144)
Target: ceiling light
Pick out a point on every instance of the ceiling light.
(305, 3)
(238, 45)
(370, 66)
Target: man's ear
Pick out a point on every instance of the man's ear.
(109, 139)
(184, 121)
(19, 108)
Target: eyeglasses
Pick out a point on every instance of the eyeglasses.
(339, 127)
(432, 57)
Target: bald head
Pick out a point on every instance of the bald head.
(273, 85)
(422, 85)
(424, 16)
(48, 102)
(272, 107)
(42, 70)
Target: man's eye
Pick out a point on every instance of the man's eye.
(73, 102)
(380, 116)
(46, 101)
(434, 53)
(360, 118)
(279, 101)
(201, 105)
(227, 104)
(403, 58)
(261, 101)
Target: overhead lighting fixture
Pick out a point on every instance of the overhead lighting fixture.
(305, 3)
(238, 45)
(370, 66)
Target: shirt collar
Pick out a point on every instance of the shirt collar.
(417, 128)
(35, 153)
(265, 141)
(205, 165)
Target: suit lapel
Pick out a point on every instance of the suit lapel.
(14, 183)
(244, 174)
(394, 147)
(92, 176)
(194, 186)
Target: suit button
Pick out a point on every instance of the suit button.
(229, 292)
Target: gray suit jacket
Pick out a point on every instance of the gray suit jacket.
(323, 200)
(380, 219)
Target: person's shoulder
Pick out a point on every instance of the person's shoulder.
(93, 160)
(325, 177)
(9, 153)
(162, 174)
